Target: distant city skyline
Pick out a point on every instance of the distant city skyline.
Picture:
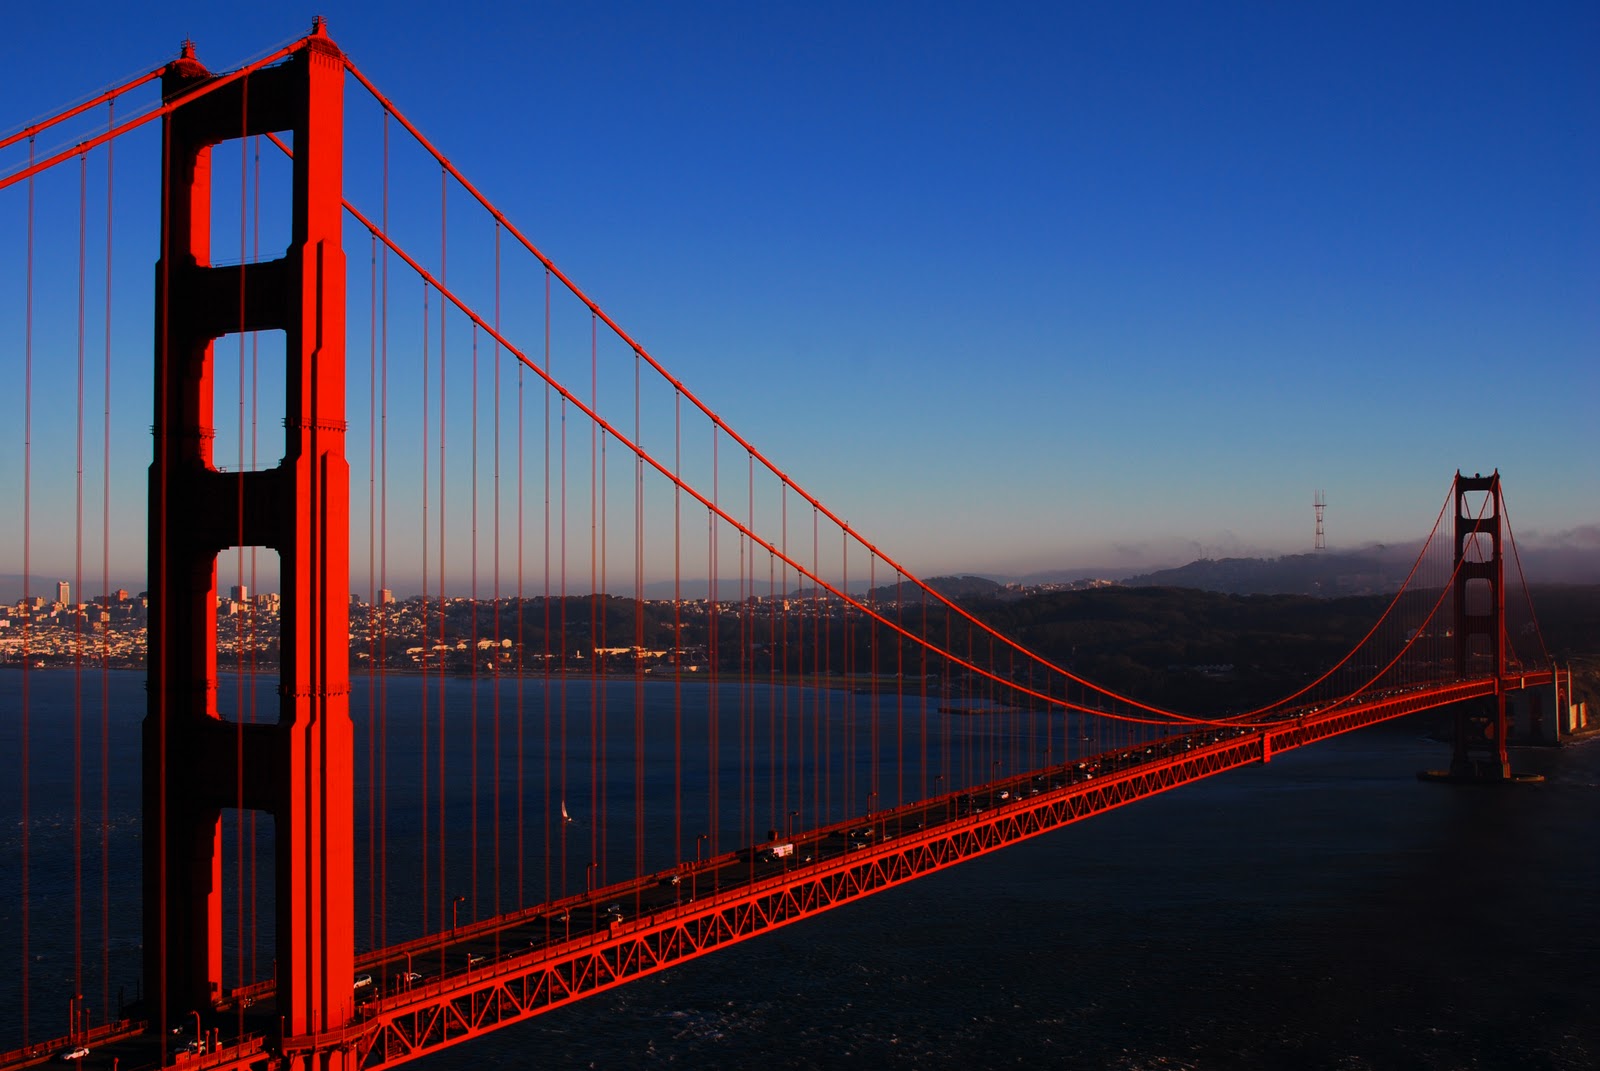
(1045, 291)
(1545, 561)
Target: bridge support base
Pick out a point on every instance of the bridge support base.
(1480, 756)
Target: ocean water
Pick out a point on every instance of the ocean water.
(1325, 911)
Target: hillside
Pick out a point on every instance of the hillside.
(1296, 574)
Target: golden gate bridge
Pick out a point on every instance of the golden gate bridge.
(532, 783)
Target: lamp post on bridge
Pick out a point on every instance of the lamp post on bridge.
(455, 912)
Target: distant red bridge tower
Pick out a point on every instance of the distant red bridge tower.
(1480, 610)
(195, 763)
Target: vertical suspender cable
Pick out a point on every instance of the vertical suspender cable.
(746, 819)
(522, 647)
(874, 735)
(943, 670)
(677, 625)
(382, 876)
(713, 655)
(372, 597)
(899, 694)
(776, 745)
(973, 734)
(598, 668)
(561, 697)
(442, 710)
(596, 746)
(820, 803)
(847, 667)
(924, 716)
(77, 615)
(426, 774)
(825, 635)
(990, 745)
(747, 615)
(802, 689)
(472, 642)
(105, 586)
(875, 781)
(549, 869)
(781, 652)
(494, 774)
(27, 596)
(638, 635)
(371, 616)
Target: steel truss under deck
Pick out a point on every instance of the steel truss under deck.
(402, 1028)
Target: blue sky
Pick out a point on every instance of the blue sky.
(1027, 287)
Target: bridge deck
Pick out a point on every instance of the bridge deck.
(443, 989)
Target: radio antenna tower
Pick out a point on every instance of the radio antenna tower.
(1320, 503)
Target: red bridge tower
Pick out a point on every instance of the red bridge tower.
(1480, 611)
(195, 763)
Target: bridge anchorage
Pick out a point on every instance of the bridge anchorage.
(1482, 728)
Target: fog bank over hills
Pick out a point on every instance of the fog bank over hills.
(1571, 557)
(1328, 574)
(1566, 557)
